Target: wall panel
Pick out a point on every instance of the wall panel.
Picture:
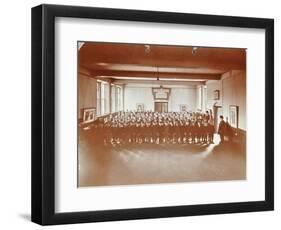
(87, 91)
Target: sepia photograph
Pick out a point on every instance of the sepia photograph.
(140, 114)
(155, 113)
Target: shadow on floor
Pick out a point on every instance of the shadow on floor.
(25, 216)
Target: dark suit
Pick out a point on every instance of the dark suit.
(221, 130)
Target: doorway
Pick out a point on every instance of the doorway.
(217, 113)
(161, 107)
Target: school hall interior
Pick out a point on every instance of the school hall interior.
(151, 114)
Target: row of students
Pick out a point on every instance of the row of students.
(149, 127)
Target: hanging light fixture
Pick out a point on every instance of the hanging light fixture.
(157, 73)
(194, 50)
(147, 48)
(157, 76)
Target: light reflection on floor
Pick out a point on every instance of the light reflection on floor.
(151, 163)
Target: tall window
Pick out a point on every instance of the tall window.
(119, 98)
(103, 104)
(116, 98)
(113, 98)
(102, 98)
(201, 97)
(98, 98)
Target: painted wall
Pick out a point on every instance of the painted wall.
(232, 87)
(178, 96)
(186, 96)
(134, 95)
(234, 93)
(213, 85)
(87, 91)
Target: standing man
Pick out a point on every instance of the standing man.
(228, 130)
(221, 130)
(207, 116)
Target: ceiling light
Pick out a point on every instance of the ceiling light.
(102, 64)
(147, 48)
(194, 50)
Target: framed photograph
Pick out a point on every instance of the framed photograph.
(140, 107)
(89, 115)
(157, 162)
(233, 116)
(216, 94)
(183, 108)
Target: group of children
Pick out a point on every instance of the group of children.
(132, 127)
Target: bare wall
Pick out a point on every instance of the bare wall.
(87, 90)
(234, 93)
(232, 87)
(179, 95)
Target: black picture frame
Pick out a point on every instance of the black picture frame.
(43, 114)
(234, 116)
(216, 95)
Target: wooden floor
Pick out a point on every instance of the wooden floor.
(152, 163)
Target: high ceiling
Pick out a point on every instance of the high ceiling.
(131, 62)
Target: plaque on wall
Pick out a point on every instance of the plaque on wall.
(161, 93)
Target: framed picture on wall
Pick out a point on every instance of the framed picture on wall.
(233, 115)
(130, 165)
(216, 95)
(140, 107)
(183, 108)
(89, 115)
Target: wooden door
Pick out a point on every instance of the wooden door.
(161, 107)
